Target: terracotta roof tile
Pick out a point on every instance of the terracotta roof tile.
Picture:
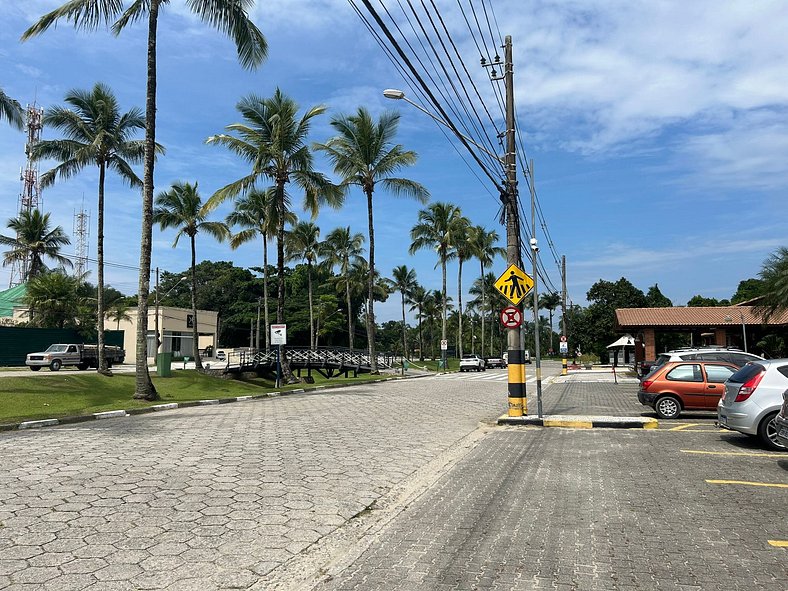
(691, 316)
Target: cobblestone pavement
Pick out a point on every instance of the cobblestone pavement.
(578, 509)
(214, 497)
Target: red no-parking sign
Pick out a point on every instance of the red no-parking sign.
(511, 317)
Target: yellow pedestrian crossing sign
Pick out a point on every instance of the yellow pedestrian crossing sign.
(514, 284)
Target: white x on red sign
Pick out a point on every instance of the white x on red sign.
(511, 317)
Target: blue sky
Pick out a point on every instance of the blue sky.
(658, 131)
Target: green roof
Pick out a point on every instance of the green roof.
(11, 298)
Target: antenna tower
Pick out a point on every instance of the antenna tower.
(81, 232)
(30, 197)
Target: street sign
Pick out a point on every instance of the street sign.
(563, 347)
(514, 284)
(278, 334)
(444, 345)
(563, 338)
(511, 317)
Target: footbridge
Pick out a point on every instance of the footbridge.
(327, 361)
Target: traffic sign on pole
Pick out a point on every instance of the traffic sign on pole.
(444, 345)
(511, 317)
(563, 338)
(278, 334)
(514, 284)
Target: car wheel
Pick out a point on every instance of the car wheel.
(767, 431)
(668, 407)
(55, 365)
(35, 367)
(82, 366)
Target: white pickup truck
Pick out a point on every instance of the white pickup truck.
(472, 363)
(81, 356)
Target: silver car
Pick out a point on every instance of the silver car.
(781, 422)
(753, 396)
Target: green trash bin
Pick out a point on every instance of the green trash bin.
(164, 364)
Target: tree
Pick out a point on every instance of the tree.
(748, 289)
(273, 141)
(96, 133)
(774, 275)
(181, 207)
(54, 300)
(594, 326)
(488, 300)
(403, 281)
(483, 243)
(436, 230)
(363, 154)
(33, 241)
(699, 301)
(418, 299)
(229, 17)
(342, 249)
(303, 243)
(118, 310)
(11, 110)
(550, 301)
(463, 251)
(655, 298)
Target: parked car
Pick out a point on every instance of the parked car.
(736, 357)
(679, 385)
(781, 422)
(471, 363)
(753, 397)
(494, 362)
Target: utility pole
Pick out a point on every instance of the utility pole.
(257, 336)
(563, 311)
(156, 317)
(535, 253)
(518, 403)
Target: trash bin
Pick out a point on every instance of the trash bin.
(164, 364)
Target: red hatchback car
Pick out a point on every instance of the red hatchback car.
(685, 385)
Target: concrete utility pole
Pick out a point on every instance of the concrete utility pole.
(534, 254)
(518, 403)
(563, 310)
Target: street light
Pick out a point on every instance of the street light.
(398, 95)
(728, 318)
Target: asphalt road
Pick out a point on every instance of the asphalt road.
(405, 484)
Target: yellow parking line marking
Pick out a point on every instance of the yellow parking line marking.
(744, 482)
(682, 427)
(568, 424)
(779, 543)
(732, 453)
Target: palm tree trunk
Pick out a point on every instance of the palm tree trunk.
(459, 304)
(373, 360)
(280, 271)
(421, 340)
(312, 343)
(143, 386)
(404, 330)
(483, 306)
(349, 311)
(195, 332)
(102, 360)
(443, 294)
(265, 292)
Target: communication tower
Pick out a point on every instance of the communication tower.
(81, 233)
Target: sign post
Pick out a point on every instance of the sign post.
(444, 348)
(279, 338)
(563, 346)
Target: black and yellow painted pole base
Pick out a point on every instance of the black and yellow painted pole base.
(518, 403)
(563, 366)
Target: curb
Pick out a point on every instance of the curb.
(581, 422)
(112, 414)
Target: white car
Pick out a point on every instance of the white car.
(472, 363)
(753, 396)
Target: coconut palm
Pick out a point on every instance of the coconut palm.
(342, 249)
(403, 281)
(463, 251)
(417, 299)
(303, 243)
(96, 133)
(181, 207)
(550, 301)
(11, 110)
(363, 154)
(483, 244)
(436, 230)
(118, 311)
(54, 299)
(487, 299)
(774, 275)
(228, 16)
(257, 215)
(273, 141)
(33, 241)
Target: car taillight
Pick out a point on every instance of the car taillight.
(646, 384)
(748, 387)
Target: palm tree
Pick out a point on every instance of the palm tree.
(342, 249)
(273, 142)
(463, 251)
(430, 312)
(303, 243)
(181, 207)
(483, 244)
(117, 311)
(96, 133)
(774, 275)
(229, 17)
(54, 300)
(11, 110)
(550, 301)
(418, 299)
(487, 298)
(436, 230)
(404, 281)
(363, 154)
(34, 240)
(256, 214)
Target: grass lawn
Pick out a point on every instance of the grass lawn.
(432, 365)
(59, 395)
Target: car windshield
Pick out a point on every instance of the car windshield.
(56, 349)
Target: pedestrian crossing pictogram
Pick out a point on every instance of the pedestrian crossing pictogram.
(514, 284)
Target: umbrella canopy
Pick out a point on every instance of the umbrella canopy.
(625, 341)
